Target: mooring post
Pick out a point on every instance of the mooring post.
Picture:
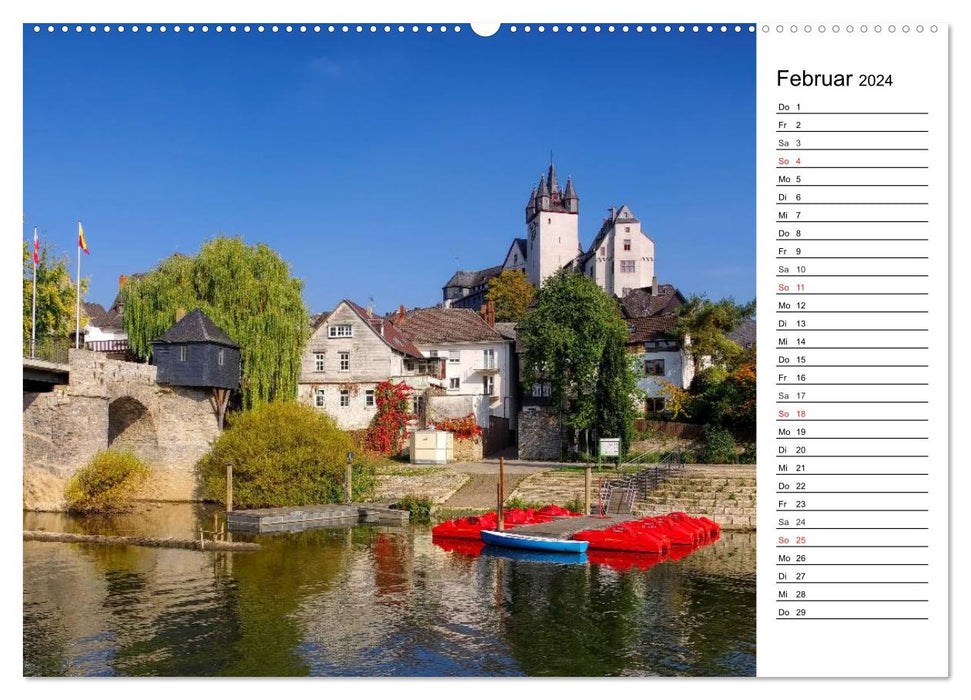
(587, 475)
(348, 485)
(502, 492)
(229, 487)
(500, 525)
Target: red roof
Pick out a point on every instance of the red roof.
(386, 330)
(650, 328)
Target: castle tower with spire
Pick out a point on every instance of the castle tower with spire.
(552, 227)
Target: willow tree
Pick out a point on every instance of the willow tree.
(247, 291)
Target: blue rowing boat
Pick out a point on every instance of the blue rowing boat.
(540, 544)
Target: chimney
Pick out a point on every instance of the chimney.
(654, 286)
(488, 313)
(121, 280)
(179, 314)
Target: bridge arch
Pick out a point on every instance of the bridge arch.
(131, 427)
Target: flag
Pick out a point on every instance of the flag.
(82, 244)
(36, 248)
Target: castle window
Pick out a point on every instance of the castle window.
(627, 243)
(628, 265)
(603, 251)
(626, 229)
(318, 362)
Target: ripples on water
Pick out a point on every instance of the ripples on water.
(372, 601)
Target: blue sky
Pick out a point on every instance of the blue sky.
(377, 164)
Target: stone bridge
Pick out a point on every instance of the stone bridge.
(112, 403)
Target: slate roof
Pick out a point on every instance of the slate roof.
(744, 333)
(96, 314)
(646, 328)
(473, 278)
(507, 329)
(387, 331)
(436, 325)
(640, 302)
(196, 327)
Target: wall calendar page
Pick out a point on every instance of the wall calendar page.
(384, 347)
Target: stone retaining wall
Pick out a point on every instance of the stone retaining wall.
(436, 483)
(539, 434)
(114, 403)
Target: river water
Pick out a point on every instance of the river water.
(373, 601)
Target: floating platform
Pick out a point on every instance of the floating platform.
(202, 545)
(296, 518)
(565, 528)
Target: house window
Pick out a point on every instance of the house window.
(417, 405)
(541, 389)
(318, 362)
(340, 331)
(319, 398)
(345, 398)
(653, 367)
(454, 357)
(627, 242)
(433, 353)
(489, 385)
(489, 359)
(369, 398)
(627, 265)
(453, 383)
(183, 353)
(221, 357)
(345, 360)
(624, 291)
(653, 405)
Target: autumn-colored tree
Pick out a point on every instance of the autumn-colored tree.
(703, 326)
(511, 293)
(676, 399)
(385, 434)
(56, 300)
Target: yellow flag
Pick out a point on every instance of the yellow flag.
(82, 244)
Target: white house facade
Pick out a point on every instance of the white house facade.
(659, 359)
(350, 352)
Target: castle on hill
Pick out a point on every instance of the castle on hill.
(620, 258)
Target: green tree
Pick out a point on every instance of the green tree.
(707, 323)
(574, 339)
(247, 291)
(56, 300)
(511, 293)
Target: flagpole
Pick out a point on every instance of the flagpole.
(33, 303)
(77, 328)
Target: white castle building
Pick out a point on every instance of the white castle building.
(620, 258)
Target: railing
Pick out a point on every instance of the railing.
(641, 482)
(107, 345)
(47, 349)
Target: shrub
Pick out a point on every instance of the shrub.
(283, 454)
(719, 447)
(106, 484)
(419, 507)
(576, 505)
(519, 502)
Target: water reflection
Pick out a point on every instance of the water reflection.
(375, 601)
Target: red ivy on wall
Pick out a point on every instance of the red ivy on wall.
(386, 432)
(463, 428)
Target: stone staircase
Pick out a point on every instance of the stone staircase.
(724, 493)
